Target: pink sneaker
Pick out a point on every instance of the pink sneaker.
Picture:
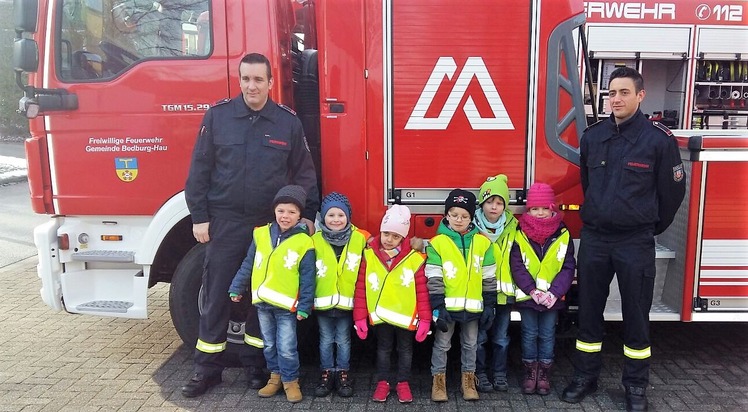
(382, 391)
(403, 392)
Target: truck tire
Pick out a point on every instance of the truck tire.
(184, 292)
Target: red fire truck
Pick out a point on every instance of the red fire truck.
(401, 102)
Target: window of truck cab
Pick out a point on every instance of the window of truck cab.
(100, 39)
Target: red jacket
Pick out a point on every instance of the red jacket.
(360, 311)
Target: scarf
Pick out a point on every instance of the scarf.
(539, 230)
(491, 230)
(336, 237)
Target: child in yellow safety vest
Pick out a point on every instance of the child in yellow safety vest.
(391, 292)
(339, 247)
(543, 264)
(461, 273)
(279, 272)
(494, 220)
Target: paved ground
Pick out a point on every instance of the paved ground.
(57, 361)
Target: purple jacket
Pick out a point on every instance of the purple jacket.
(561, 283)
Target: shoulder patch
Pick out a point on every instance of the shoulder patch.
(663, 128)
(222, 101)
(594, 124)
(286, 108)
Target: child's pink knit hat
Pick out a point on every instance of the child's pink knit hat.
(396, 220)
(541, 195)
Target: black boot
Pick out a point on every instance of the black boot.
(324, 386)
(256, 378)
(199, 384)
(345, 389)
(636, 399)
(578, 389)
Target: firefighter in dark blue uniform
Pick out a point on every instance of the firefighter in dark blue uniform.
(247, 149)
(633, 182)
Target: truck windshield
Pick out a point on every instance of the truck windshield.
(99, 39)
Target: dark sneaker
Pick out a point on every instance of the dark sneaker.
(578, 389)
(636, 399)
(483, 384)
(500, 384)
(199, 384)
(325, 384)
(345, 389)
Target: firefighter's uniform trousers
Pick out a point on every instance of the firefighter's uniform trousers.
(224, 254)
(631, 257)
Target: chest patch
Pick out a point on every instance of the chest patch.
(638, 165)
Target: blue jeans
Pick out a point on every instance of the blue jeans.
(499, 333)
(335, 330)
(538, 334)
(443, 342)
(278, 327)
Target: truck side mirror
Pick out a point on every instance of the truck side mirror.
(25, 55)
(24, 15)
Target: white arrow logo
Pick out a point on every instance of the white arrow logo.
(446, 67)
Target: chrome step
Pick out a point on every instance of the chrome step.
(117, 306)
(124, 256)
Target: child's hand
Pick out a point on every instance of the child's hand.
(301, 315)
(416, 243)
(423, 331)
(236, 298)
(549, 300)
(361, 329)
(538, 296)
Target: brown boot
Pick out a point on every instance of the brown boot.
(273, 386)
(293, 391)
(530, 382)
(544, 378)
(439, 388)
(469, 392)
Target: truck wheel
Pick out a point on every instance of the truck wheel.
(184, 292)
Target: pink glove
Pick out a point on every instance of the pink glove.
(537, 296)
(423, 331)
(361, 329)
(549, 300)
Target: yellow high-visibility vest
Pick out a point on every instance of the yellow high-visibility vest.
(391, 294)
(336, 279)
(275, 276)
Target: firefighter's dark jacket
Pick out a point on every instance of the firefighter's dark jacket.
(241, 159)
(632, 176)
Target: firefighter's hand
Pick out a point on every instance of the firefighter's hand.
(309, 225)
(200, 231)
(235, 298)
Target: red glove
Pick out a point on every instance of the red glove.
(423, 331)
(361, 329)
(537, 296)
(549, 300)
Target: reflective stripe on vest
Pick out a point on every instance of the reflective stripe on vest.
(463, 281)
(206, 347)
(336, 279)
(637, 353)
(391, 294)
(275, 275)
(502, 249)
(589, 347)
(543, 272)
(253, 341)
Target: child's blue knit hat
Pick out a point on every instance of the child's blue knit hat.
(338, 200)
